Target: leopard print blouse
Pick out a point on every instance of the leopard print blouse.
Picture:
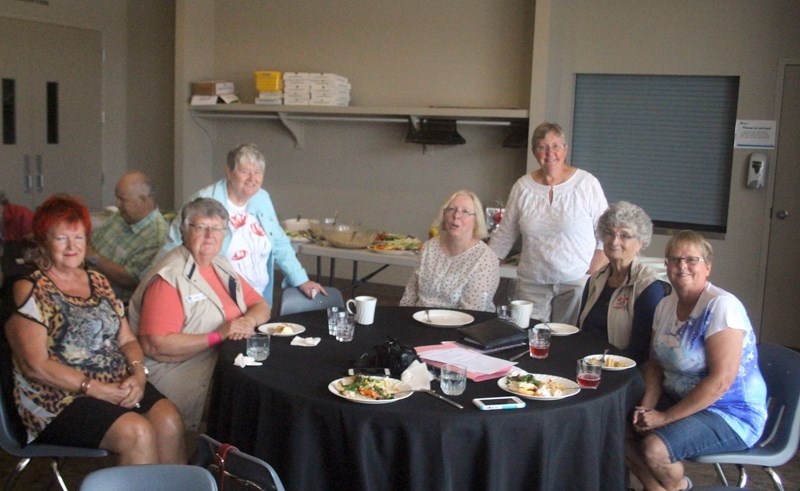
(81, 333)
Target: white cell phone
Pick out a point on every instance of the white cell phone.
(490, 403)
(369, 371)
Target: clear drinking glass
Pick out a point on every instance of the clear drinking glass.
(258, 346)
(345, 327)
(453, 379)
(333, 318)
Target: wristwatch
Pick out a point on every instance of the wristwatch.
(132, 367)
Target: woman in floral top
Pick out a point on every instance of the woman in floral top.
(456, 269)
(78, 373)
(704, 392)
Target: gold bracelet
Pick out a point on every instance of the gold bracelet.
(85, 384)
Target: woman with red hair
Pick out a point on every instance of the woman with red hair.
(79, 377)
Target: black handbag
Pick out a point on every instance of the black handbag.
(391, 354)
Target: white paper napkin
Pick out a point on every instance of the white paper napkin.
(417, 375)
(242, 360)
(298, 341)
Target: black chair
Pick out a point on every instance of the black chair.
(150, 477)
(242, 472)
(781, 369)
(13, 437)
(294, 301)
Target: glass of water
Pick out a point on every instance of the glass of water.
(333, 318)
(453, 379)
(258, 346)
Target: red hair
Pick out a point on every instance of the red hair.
(57, 209)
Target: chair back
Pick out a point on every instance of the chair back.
(780, 367)
(12, 431)
(235, 470)
(151, 477)
(294, 301)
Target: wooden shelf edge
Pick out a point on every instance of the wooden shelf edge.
(499, 114)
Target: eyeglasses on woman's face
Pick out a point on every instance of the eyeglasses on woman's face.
(555, 147)
(610, 235)
(453, 211)
(204, 229)
(677, 260)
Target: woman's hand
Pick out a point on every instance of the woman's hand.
(134, 385)
(312, 288)
(646, 419)
(240, 328)
(113, 393)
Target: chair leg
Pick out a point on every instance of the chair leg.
(12, 479)
(742, 476)
(720, 474)
(776, 479)
(57, 474)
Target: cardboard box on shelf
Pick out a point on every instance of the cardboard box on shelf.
(213, 87)
(210, 100)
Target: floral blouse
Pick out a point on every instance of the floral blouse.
(81, 333)
(465, 281)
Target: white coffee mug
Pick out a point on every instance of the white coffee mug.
(521, 313)
(364, 309)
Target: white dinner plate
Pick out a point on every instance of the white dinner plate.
(560, 329)
(274, 328)
(404, 390)
(570, 386)
(392, 252)
(443, 318)
(624, 361)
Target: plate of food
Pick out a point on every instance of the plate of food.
(613, 363)
(302, 236)
(560, 329)
(366, 389)
(281, 329)
(443, 318)
(538, 386)
(387, 243)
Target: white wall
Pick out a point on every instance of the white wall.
(679, 37)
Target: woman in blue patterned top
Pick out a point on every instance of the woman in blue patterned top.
(703, 392)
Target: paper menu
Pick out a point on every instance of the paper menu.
(479, 366)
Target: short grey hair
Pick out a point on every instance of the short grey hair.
(203, 207)
(627, 215)
(543, 129)
(480, 231)
(244, 151)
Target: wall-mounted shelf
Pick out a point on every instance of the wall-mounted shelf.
(291, 116)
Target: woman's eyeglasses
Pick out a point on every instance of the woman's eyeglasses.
(204, 229)
(677, 260)
(553, 148)
(622, 236)
(458, 211)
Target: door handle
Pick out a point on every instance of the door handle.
(782, 214)
(39, 175)
(27, 180)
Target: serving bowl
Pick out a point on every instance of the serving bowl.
(349, 237)
(297, 224)
(318, 227)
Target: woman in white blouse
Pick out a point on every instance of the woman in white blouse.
(555, 210)
(456, 269)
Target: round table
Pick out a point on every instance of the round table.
(283, 413)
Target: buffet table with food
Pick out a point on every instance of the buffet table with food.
(293, 412)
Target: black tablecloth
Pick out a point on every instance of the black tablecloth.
(283, 412)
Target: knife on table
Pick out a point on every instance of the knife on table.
(443, 398)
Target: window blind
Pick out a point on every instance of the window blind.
(664, 143)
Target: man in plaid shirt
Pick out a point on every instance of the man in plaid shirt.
(126, 244)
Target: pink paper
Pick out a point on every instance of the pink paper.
(474, 376)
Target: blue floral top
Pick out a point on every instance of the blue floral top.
(679, 349)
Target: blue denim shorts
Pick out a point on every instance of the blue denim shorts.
(702, 433)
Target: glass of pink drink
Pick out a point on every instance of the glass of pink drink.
(588, 374)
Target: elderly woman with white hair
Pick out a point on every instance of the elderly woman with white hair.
(620, 299)
(256, 241)
(456, 269)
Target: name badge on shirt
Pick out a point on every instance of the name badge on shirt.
(197, 297)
